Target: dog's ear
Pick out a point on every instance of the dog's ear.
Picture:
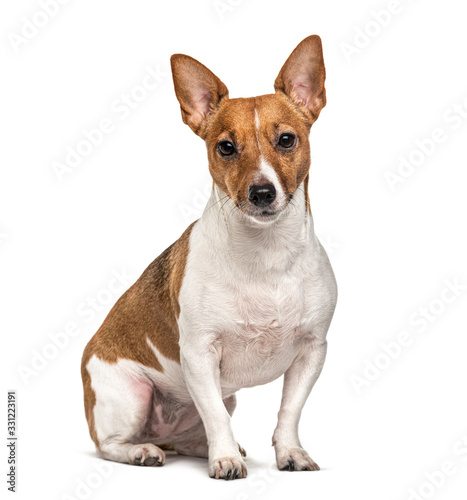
(302, 77)
(198, 91)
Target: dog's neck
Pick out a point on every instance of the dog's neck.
(251, 244)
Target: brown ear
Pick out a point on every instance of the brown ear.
(198, 90)
(302, 77)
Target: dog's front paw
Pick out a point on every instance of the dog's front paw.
(295, 459)
(227, 468)
(146, 454)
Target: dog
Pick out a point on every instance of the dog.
(244, 296)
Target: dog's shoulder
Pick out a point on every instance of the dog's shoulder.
(147, 311)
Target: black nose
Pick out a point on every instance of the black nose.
(262, 196)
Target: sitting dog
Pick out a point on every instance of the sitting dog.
(244, 296)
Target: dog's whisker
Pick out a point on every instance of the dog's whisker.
(216, 203)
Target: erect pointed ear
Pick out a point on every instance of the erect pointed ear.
(198, 91)
(302, 77)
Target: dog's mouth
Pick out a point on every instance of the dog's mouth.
(260, 215)
(267, 214)
(262, 212)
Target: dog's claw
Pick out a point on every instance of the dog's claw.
(242, 451)
(290, 465)
(152, 460)
(296, 459)
(146, 454)
(227, 468)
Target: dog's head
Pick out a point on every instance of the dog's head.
(258, 147)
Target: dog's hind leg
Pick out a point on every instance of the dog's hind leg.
(118, 401)
(197, 446)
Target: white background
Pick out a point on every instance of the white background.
(392, 249)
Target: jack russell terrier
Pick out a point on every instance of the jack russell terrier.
(245, 295)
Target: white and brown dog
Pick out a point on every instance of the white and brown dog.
(245, 295)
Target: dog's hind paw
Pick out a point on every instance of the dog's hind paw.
(146, 454)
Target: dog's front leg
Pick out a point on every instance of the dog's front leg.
(299, 379)
(201, 367)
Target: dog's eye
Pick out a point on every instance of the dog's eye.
(226, 148)
(286, 141)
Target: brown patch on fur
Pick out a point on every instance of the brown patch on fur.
(198, 90)
(235, 121)
(147, 310)
(299, 98)
(89, 403)
(277, 115)
(302, 77)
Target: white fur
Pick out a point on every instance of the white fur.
(124, 401)
(266, 173)
(256, 302)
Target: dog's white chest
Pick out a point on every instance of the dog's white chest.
(255, 305)
(267, 326)
(252, 296)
